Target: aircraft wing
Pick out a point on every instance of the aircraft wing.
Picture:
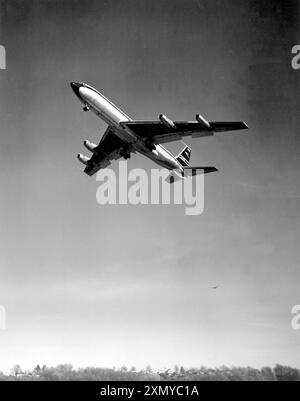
(108, 149)
(157, 132)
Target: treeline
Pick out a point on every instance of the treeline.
(66, 372)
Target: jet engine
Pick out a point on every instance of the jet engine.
(83, 159)
(204, 123)
(167, 122)
(90, 146)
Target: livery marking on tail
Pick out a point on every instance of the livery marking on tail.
(184, 157)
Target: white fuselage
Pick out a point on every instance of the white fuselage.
(114, 117)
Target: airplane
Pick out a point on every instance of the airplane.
(125, 136)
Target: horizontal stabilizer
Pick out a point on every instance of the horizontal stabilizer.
(197, 169)
(219, 126)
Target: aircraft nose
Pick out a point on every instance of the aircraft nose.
(76, 86)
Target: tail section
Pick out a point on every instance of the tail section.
(184, 156)
(184, 160)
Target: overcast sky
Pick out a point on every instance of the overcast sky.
(112, 285)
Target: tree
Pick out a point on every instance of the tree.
(149, 369)
(37, 370)
(286, 373)
(16, 370)
(267, 374)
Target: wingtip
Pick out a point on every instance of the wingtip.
(212, 170)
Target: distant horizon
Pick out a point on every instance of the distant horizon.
(144, 368)
(179, 373)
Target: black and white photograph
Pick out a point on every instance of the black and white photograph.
(150, 193)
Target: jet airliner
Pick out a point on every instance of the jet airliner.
(125, 136)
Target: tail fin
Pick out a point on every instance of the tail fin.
(184, 156)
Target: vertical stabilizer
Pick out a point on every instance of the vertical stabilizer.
(184, 156)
